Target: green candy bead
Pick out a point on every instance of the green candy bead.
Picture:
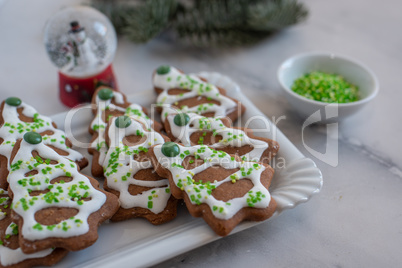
(181, 119)
(32, 137)
(170, 149)
(163, 69)
(105, 94)
(122, 121)
(13, 101)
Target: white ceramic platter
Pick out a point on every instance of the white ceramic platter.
(137, 243)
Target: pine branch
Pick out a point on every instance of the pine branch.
(275, 15)
(117, 12)
(149, 20)
(140, 21)
(203, 22)
(213, 22)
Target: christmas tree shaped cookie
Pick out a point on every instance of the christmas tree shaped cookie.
(215, 185)
(10, 252)
(107, 103)
(192, 129)
(16, 119)
(130, 175)
(54, 205)
(190, 93)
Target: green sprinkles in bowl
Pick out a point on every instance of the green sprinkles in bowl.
(330, 88)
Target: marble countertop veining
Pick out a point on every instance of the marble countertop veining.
(356, 220)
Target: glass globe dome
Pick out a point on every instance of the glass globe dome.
(80, 41)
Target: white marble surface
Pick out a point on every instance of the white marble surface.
(356, 220)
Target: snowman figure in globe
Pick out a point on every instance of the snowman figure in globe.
(80, 50)
(81, 42)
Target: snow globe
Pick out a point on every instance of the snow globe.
(81, 42)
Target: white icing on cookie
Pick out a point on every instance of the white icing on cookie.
(99, 125)
(120, 167)
(63, 194)
(201, 193)
(175, 79)
(14, 129)
(10, 256)
(230, 136)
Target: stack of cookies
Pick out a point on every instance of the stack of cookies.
(47, 207)
(221, 172)
(122, 134)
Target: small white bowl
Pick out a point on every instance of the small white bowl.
(353, 72)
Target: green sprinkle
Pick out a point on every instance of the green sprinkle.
(324, 87)
(50, 227)
(65, 227)
(38, 227)
(201, 141)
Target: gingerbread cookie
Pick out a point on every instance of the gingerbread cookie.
(10, 252)
(107, 103)
(193, 129)
(215, 185)
(190, 93)
(54, 205)
(16, 119)
(130, 175)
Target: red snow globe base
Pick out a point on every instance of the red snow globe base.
(77, 90)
